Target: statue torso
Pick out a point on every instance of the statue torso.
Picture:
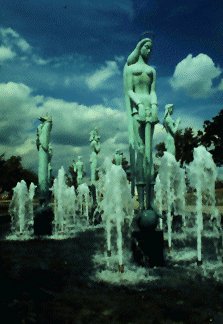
(142, 78)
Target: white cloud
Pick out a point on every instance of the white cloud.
(17, 113)
(99, 77)
(6, 54)
(72, 124)
(220, 173)
(195, 76)
(15, 45)
(11, 38)
(220, 86)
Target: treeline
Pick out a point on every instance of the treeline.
(12, 171)
(186, 140)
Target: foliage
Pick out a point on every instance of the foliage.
(185, 142)
(12, 171)
(213, 137)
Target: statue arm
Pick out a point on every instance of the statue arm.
(170, 126)
(129, 88)
(37, 139)
(153, 90)
(98, 147)
(151, 110)
(128, 84)
(44, 135)
(178, 121)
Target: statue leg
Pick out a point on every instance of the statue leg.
(149, 172)
(139, 136)
(132, 166)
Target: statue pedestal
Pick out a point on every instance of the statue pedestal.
(93, 193)
(148, 247)
(43, 218)
(94, 215)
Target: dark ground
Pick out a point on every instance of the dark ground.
(47, 281)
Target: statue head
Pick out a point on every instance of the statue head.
(45, 118)
(143, 48)
(50, 149)
(168, 109)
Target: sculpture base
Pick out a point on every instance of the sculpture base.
(121, 268)
(43, 218)
(93, 193)
(199, 262)
(148, 248)
(147, 220)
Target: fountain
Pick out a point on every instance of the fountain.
(64, 205)
(202, 174)
(21, 210)
(170, 191)
(117, 206)
(84, 201)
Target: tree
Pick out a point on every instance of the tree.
(185, 142)
(12, 171)
(212, 138)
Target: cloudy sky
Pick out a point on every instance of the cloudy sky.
(66, 58)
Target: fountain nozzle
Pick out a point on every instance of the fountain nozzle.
(121, 268)
(199, 262)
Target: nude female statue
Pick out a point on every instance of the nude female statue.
(141, 104)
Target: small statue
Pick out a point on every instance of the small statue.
(42, 143)
(96, 147)
(50, 155)
(171, 129)
(118, 157)
(95, 139)
(79, 169)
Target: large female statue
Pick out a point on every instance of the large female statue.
(141, 104)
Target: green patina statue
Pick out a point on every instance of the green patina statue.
(42, 143)
(50, 169)
(79, 169)
(96, 147)
(118, 158)
(171, 128)
(141, 105)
